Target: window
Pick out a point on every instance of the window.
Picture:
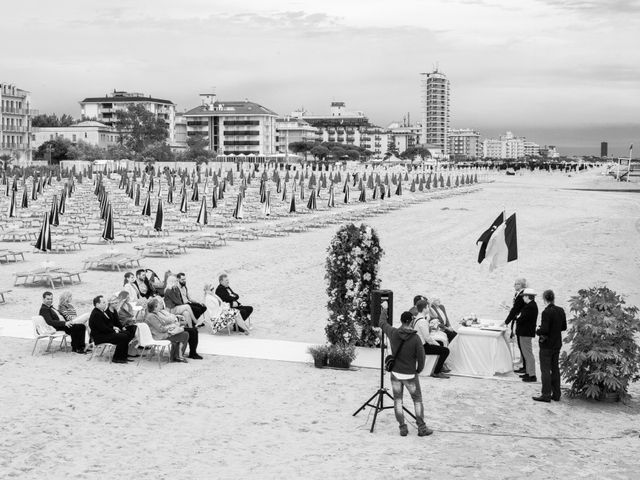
(73, 137)
(85, 135)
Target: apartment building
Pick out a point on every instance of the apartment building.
(435, 110)
(234, 127)
(464, 144)
(290, 130)
(103, 109)
(15, 123)
(91, 132)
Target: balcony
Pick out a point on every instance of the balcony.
(19, 111)
(13, 129)
(14, 146)
(241, 143)
(242, 133)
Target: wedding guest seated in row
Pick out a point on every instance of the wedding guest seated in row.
(112, 311)
(219, 314)
(126, 312)
(66, 308)
(77, 331)
(227, 295)
(414, 310)
(430, 344)
(197, 308)
(167, 326)
(174, 302)
(130, 287)
(444, 325)
(143, 285)
(103, 330)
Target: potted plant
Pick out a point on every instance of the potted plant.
(319, 354)
(341, 355)
(604, 357)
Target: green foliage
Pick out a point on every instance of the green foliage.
(198, 150)
(59, 149)
(412, 152)
(352, 273)
(341, 356)
(159, 151)
(52, 120)
(319, 352)
(319, 152)
(392, 150)
(604, 355)
(138, 128)
(118, 152)
(6, 160)
(86, 151)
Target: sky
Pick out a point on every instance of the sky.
(564, 73)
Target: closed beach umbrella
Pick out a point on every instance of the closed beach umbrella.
(146, 210)
(12, 205)
(136, 202)
(374, 195)
(311, 205)
(214, 203)
(448, 181)
(284, 193)
(238, 211)
(301, 191)
(412, 188)
(363, 196)
(221, 191)
(332, 198)
(399, 189)
(44, 238)
(34, 191)
(54, 219)
(196, 195)
(63, 201)
(25, 199)
(266, 206)
(346, 194)
(278, 186)
(203, 219)
(292, 205)
(158, 225)
(108, 231)
(183, 202)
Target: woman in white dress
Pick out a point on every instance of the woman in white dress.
(219, 314)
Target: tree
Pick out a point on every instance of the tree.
(319, 152)
(52, 120)
(198, 150)
(353, 154)
(411, 153)
(6, 160)
(59, 148)
(86, 151)
(118, 152)
(392, 150)
(159, 151)
(138, 128)
(301, 147)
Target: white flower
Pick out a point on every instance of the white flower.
(367, 276)
(349, 284)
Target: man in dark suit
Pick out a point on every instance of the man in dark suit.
(56, 320)
(197, 308)
(518, 303)
(104, 331)
(526, 331)
(553, 323)
(229, 296)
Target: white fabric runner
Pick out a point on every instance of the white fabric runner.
(480, 352)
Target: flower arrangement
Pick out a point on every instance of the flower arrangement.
(604, 356)
(352, 273)
(469, 320)
(319, 354)
(341, 356)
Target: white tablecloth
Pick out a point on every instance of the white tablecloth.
(480, 352)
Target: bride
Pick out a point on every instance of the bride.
(219, 314)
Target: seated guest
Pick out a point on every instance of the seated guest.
(132, 289)
(113, 307)
(439, 312)
(156, 284)
(66, 309)
(175, 303)
(103, 330)
(430, 344)
(414, 310)
(56, 320)
(142, 284)
(219, 313)
(229, 296)
(167, 326)
(197, 308)
(126, 312)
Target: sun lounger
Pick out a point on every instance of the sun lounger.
(2, 293)
(11, 256)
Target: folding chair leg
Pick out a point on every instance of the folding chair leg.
(34, 346)
(160, 357)
(49, 346)
(141, 356)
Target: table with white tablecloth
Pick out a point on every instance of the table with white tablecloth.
(480, 351)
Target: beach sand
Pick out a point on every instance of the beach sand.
(237, 418)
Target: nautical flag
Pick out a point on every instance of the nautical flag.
(486, 235)
(503, 244)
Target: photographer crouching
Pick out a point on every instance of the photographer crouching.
(407, 363)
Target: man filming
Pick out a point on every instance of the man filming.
(409, 361)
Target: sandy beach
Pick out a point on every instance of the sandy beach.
(225, 417)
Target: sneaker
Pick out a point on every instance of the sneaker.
(424, 431)
(404, 431)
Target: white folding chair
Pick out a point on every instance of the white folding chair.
(42, 330)
(148, 344)
(100, 348)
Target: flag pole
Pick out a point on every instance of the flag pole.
(630, 156)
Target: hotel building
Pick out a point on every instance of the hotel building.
(15, 123)
(103, 109)
(234, 127)
(90, 131)
(464, 144)
(435, 110)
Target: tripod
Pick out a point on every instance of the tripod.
(378, 406)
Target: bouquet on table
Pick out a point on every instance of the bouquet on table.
(470, 320)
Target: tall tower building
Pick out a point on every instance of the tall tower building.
(604, 149)
(435, 110)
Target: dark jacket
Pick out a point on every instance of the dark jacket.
(101, 326)
(527, 320)
(553, 322)
(115, 318)
(410, 360)
(52, 318)
(518, 303)
(150, 290)
(173, 298)
(227, 295)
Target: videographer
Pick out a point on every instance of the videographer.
(408, 363)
